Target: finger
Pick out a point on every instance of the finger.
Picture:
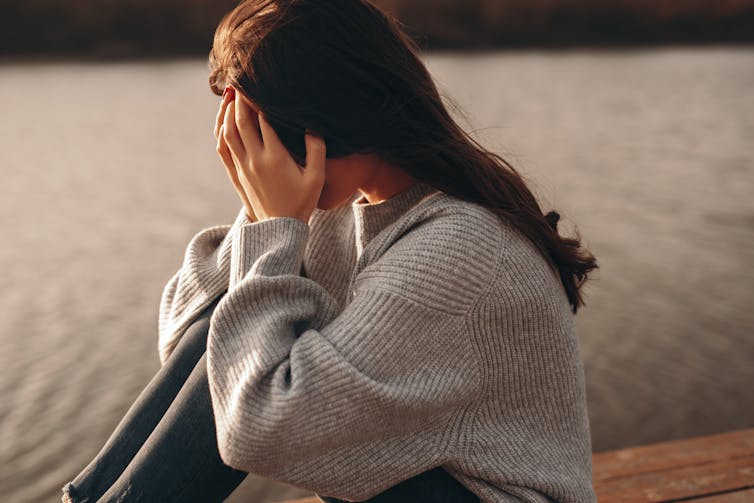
(227, 158)
(316, 154)
(270, 137)
(230, 167)
(224, 152)
(221, 114)
(231, 135)
(247, 122)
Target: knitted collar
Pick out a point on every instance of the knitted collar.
(371, 218)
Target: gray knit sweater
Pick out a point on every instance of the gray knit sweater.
(381, 340)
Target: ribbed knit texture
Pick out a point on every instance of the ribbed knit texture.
(381, 340)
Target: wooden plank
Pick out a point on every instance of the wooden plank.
(746, 496)
(672, 454)
(677, 483)
(676, 469)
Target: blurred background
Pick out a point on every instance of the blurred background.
(633, 118)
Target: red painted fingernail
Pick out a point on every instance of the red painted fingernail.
(229, 91)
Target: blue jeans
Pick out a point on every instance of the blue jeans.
(165, 449)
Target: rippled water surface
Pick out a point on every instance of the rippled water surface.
(109, 169)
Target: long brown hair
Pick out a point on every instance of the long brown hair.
(347, 70)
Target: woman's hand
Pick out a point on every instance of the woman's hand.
(267, 178)
(227, 158)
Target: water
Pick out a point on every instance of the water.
(109, 169)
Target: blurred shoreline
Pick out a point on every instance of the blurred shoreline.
(103, 59)
(169, 29)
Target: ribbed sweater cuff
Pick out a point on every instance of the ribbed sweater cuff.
(270, 247)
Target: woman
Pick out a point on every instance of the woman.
(389, 317)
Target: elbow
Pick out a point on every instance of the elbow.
(250, 452)
(229, 459)
(230, 454)
(252, 435)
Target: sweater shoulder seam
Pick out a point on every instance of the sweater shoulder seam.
(465, 423)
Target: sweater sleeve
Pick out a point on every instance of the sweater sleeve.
(344, 403)
(203, 276)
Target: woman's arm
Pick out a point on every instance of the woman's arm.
(202, 277)
(350, 403)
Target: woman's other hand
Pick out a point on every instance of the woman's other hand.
(227, 159)
(267, 178)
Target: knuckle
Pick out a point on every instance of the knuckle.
(242, 122)
(226, 134)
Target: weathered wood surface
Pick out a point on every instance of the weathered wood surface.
(709, 469)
